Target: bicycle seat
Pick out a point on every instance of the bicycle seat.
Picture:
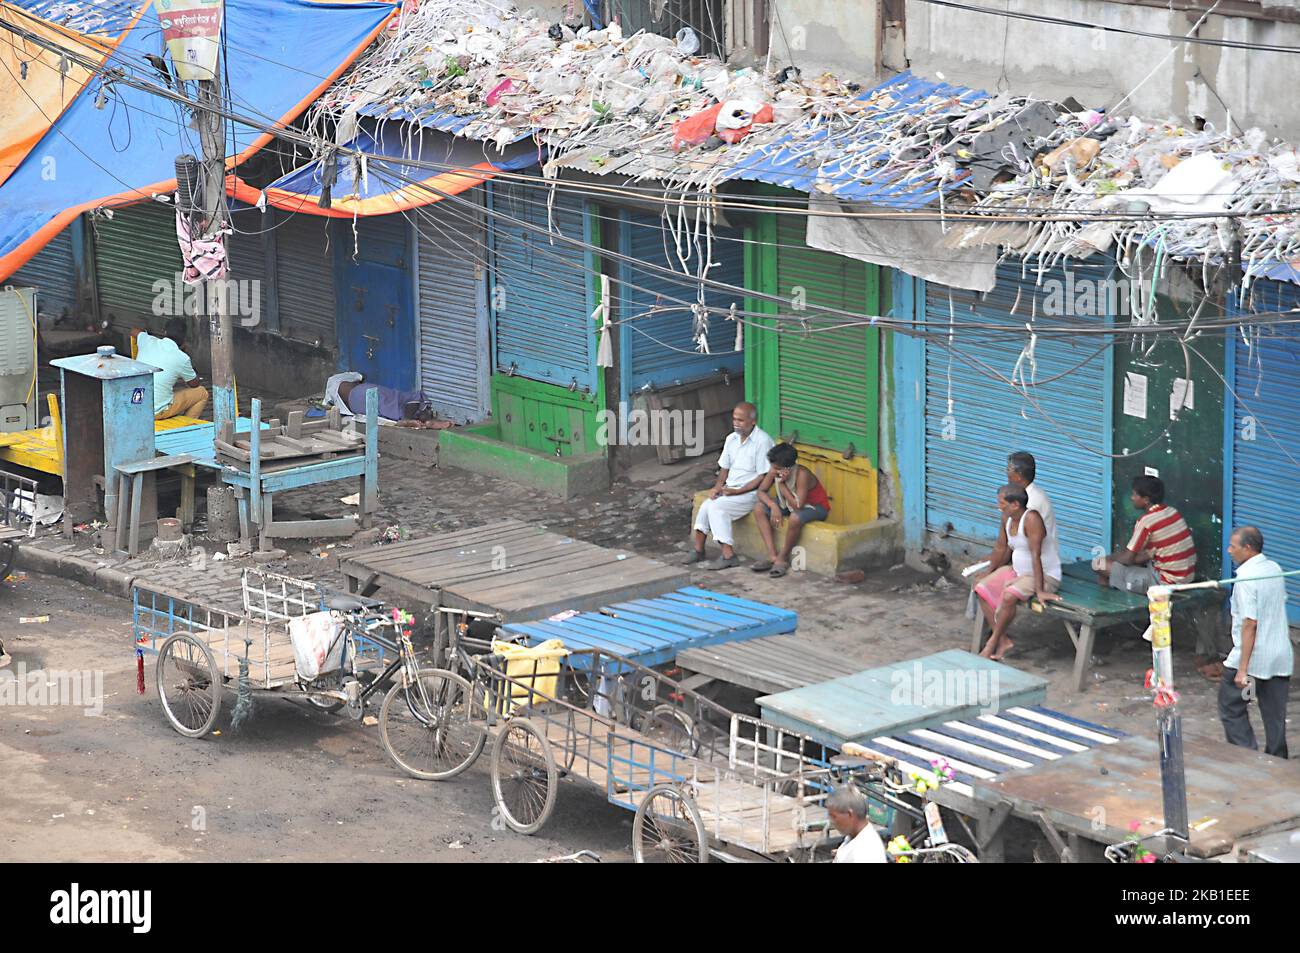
(342, 603)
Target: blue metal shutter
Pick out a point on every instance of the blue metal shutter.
(1265, 446)
(53, 273)
(966, 449)
(541, 300)
(304, 274)
(454, 363)
(660, 348)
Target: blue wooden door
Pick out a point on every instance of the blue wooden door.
(376, 301)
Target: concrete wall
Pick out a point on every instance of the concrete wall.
(1099, 68)
(819, 36)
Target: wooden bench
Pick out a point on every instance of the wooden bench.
(1086, 607)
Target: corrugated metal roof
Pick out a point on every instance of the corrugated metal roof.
(840, 162)
(438, 119)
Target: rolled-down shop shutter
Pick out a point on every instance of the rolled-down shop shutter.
(1265, 442)
(134, 249)
(454, 361)
(304, 267)
(828, 379)
(1066, 424)
(246, 248)
(660, 347)
(541, 301)
(53, 272)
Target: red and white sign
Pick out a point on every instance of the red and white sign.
(192, 29)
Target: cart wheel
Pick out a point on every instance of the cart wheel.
(426, 730)
(329, 706)
(524, 776)
(671, 728)
(188, 685)
(8, 556)
(668, 829)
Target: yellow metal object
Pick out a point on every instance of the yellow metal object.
(852, 485)
(42, 449)
(535, 672)
(56, 431)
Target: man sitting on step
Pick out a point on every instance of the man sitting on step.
(743, 465)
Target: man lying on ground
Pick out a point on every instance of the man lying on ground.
(408, 408)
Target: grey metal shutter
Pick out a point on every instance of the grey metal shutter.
(1264, 450)
(454, 362)
(966, 447)
(540, 289)
(134, 249)
(304, 274)
(661, 346)
(53, 272)
(246, 248)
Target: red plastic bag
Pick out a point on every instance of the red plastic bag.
(696, 129)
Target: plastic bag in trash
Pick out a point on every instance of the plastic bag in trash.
(317, 644)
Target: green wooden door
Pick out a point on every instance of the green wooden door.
(818, 384)
(1187, 454)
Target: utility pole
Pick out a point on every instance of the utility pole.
(212, 135)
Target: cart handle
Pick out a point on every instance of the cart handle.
(855, 750)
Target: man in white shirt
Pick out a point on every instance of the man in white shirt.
(1261, 659)
(847, 807)
(1022, 470)
(742, 467)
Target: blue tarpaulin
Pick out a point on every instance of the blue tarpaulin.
(281, 54)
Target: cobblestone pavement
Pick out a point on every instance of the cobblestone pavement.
(893, 614)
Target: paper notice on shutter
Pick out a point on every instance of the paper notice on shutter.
(1135, 395)
(1181, 396)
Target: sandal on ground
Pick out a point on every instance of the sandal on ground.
(762, 565)
(779, 570)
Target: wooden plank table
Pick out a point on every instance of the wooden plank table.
(1245, 793)
(903, 696)
(774, 663)
(1086, 607)
(511, 569)
(658, 630)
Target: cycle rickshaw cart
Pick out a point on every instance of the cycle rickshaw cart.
(702, 781)
(204, 650)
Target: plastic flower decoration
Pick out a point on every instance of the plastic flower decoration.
(899, 848)
(940, 772)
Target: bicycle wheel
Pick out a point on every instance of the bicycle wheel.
(426, 728)
(669, 727)
(946, 854)
(668, 829)
(524, 776)
(188, 684)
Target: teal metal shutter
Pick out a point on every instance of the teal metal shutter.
(541, 300)
(134, 249)
(304, 275)
(1263, 458)
(453, 333)
(660, 347)
(52, 271)
(966, 447)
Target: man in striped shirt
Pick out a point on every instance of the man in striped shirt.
(1161, 551)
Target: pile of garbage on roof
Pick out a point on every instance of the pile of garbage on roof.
(1105, 175)
(648, 107)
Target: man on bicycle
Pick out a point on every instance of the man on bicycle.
(847, 807)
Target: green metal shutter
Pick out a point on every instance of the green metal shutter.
(828, 385)
(1067, 425)
(246, 248)
(52, 271)
(134, 249)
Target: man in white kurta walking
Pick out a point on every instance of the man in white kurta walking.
(742, 466)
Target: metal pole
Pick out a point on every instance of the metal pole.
(212, 132)
(1169, 727)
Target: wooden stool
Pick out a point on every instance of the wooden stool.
(131, 490)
